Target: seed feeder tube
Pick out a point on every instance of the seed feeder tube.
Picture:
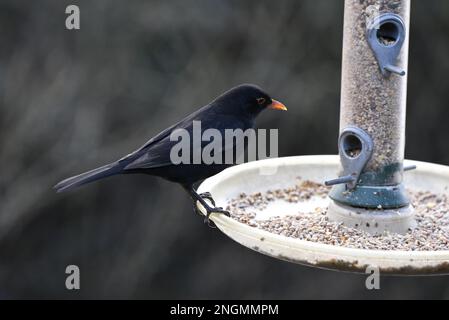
(373, 114)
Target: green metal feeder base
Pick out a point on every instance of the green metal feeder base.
(368, 197)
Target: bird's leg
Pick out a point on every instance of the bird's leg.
(201, 198)
(208, 196)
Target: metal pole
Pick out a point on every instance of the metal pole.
(373, 111)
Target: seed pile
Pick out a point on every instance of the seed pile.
(386, 41)
(432, 215)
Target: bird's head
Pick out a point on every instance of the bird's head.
(247, 100)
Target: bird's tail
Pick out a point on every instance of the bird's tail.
(88, 177)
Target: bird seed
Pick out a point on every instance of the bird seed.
(432, 216)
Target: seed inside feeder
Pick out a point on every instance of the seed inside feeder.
(387, 34)
(431, 234)
(371, 101)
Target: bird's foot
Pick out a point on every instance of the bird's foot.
(204, 196)
(209, 205)
(208, 196)
(209, 211)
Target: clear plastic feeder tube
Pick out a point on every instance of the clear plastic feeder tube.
(373, 100)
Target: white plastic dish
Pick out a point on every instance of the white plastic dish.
(283, 172)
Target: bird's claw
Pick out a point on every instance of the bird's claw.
(208, 196)
(209, 211)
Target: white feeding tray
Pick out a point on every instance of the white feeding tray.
(283, 173)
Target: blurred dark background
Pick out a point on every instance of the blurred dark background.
(73, 100)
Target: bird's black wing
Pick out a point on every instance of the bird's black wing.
(157, 153)
(164, 134)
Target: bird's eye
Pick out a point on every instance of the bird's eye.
(261, 101)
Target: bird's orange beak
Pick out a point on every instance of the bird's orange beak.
(276, 105)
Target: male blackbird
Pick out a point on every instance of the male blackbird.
(235, 109)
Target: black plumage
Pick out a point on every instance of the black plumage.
(235, 109)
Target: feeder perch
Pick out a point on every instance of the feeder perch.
(370, 193)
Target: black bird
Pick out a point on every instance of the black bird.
(235, 109)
